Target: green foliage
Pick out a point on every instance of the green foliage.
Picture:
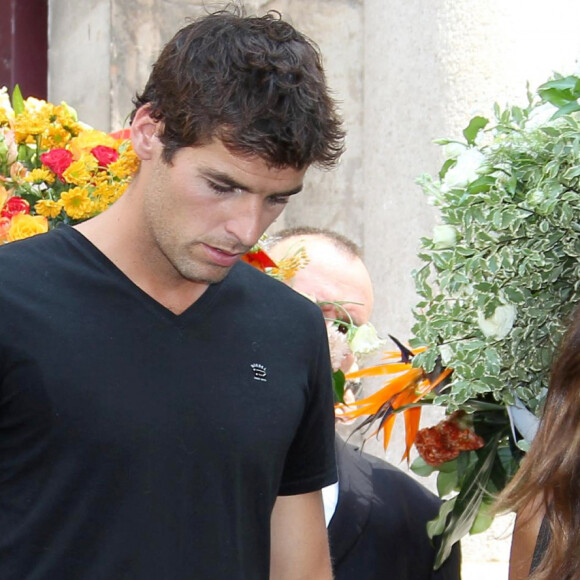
(338, 382)
(466, 505)
(499, 280)
(501, 275)
(473, 129)
(471, 482)
(563, 93)
(17, 100)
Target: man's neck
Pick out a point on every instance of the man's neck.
(119, 235)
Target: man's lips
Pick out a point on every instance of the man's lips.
(222, 257)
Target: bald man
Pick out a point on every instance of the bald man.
(377, 514)
(335, 277)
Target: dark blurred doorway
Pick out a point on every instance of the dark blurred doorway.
(24, 46)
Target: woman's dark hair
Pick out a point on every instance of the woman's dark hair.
(255, 83)
(550, 473)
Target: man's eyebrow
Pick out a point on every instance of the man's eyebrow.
(226, 179)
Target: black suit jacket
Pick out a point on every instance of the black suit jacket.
(378, 529)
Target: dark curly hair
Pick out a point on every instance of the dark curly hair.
(255, 83)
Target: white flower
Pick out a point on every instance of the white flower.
(33, 104)
(444, 236)
(465, 170)
(499, 323)
(365, 340)
(5, 102)
(453, 150)
(540, 116)
(446, 353)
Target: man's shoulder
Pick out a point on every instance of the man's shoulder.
(35, 245)
(30, 253)
(388, 478)
(397, 511)
(270, 292)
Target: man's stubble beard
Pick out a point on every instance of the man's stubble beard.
(192, 269)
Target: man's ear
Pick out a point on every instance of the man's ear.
(144, 130)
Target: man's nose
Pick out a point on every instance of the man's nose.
(246, 222)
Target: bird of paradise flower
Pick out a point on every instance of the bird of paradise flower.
(406, 385)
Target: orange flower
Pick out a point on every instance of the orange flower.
(401, 393)
(4, 228)
(259, 259)
(17, 172)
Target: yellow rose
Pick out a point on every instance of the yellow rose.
(24, 226)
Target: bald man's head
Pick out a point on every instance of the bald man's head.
(334, 274)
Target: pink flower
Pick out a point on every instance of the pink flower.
(4, 228)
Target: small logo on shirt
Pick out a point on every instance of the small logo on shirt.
(259, 372)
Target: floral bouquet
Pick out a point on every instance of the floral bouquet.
(500, 277)
(53, 168)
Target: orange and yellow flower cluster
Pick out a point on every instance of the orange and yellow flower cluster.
(54, 169)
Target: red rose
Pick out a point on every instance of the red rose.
(57, 160)
(13, 206)
(105, 155)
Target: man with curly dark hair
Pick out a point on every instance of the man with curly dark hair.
(256, 84)
(166, 409)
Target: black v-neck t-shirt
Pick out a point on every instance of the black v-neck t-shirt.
(138, 444)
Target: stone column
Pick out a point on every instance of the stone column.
(79, 58)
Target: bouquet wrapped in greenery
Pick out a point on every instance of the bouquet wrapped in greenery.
(502, 272)
(500, 276)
